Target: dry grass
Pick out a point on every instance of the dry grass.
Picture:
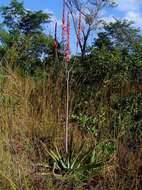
(29, 113)
(32, 112)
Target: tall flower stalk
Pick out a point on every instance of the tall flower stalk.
(67, 57)
(66, 46)
(78, 30)
(64, 23)
(55, 39)
(68, 39)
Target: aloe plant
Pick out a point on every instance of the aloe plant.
(80, 161)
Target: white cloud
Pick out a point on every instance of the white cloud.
(129, 5)
(134, 16)
(131, 10)
(54, 19)
(109, 18)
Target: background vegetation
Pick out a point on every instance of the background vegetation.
(104, 100)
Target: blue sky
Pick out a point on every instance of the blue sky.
(129, 9)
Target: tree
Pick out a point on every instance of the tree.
(103, 41)
(23, 30)
(123, 34)
(125, 37)
(17, 18)
(112, 54)
(89, 19)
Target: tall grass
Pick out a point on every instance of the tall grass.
(32, 113)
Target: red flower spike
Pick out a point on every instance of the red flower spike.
(63, 22)
(68, 39)
(79, 30)
(55, 37)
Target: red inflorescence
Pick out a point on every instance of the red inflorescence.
(68, 39)
(78, 30)
(55, 37)
(63, 22)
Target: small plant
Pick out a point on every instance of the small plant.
(85, 122)
(94, 158)
(72, 162)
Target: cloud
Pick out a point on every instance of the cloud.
(129, 5)
(134, 16)
(131, 10)
(109, 18)
(54, 19)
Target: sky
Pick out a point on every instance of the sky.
(128, 9)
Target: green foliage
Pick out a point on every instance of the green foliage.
(85, 122)
(84, 160)
(17, 19)
(105, 91)
(24, 34)
(123, 34)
